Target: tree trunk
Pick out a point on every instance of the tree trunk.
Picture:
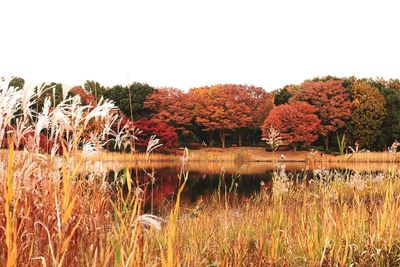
(341, 142)
(130, 102)
(222, 136)
(294, 145)
(240, 137)
(326, 140)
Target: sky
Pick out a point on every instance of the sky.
(187, 43)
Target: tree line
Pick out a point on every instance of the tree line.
(322, 112)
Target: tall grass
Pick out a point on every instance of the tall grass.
(313, 224)
(52, 214)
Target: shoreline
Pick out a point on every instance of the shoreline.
(249, 155)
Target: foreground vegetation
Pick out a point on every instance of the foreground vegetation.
(338, 223)
(336, 218)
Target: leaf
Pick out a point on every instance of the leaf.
(68, 211)
(66, 242)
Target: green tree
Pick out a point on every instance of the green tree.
(368, 113)
(282, 95)
(52, 90)
(391, 123)
(130, 99)
(325, 78)
(95, 88)
(17, 82)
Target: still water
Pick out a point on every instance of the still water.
(242, 180)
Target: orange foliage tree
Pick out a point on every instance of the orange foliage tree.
(296, 122)
(172, 106)
(332, 102)
(221, 107)
(260, 104)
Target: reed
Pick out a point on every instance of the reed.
(338, 220)
(52, 214)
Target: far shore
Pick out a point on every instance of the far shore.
(239, 154)
(251, 154)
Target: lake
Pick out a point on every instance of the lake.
(207, 178)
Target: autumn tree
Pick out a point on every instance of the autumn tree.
(221, 108)
(368, 113)
(171, 106)
(86, 97)
(332, 102)
(394, 84)
(167, 134)
(260, 104)
(296, 122)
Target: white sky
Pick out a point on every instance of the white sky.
(187, 43)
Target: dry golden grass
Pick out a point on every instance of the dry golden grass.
(244, 154)
(313, 225)
(126, 157)
(306, 227)
(238, 155)
(113, 162)
(370, 157)
(82, 221)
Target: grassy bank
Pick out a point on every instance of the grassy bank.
(370, 157)
(249, 154)
(238, 154)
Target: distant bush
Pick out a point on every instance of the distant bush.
(241, 156)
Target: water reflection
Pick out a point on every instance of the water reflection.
(208, 178)
(162, 190)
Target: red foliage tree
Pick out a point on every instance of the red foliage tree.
(296, 122)
(87, 98)
(167, 134)
(332, 102)
(260, 103)
(172, 106)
